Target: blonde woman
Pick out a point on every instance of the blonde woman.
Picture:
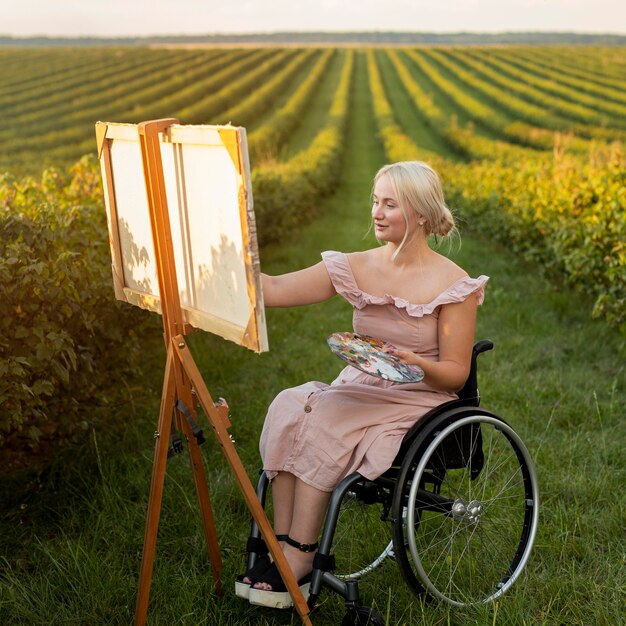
(402, 292)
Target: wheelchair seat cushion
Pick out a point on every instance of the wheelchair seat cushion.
(321, 432)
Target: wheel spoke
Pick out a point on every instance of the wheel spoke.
(468, 554)
(358, 520)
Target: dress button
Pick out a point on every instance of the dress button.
(307, 409)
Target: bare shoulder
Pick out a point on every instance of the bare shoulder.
(360, 256)
(364, 258)
(448, 270)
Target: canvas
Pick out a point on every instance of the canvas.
(209, 199)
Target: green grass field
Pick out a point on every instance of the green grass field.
(71, 534)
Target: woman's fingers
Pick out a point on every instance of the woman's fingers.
(404, 355)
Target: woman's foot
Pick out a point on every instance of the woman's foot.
(261, 565)
(243, 582)
(275, 594)
(271, 591)
(301, 564)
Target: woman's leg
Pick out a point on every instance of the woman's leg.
(283, 491)
(308, 508)
(283, 495)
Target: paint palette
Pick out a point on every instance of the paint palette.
(368, 354)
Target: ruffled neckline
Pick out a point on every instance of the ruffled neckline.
(340, 272)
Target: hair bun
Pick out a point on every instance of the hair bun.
(446, 224)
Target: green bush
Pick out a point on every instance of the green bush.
(66, 345)
(568, 214)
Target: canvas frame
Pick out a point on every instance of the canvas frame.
(241, 321)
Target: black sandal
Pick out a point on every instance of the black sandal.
(278, 597)
(261, 565)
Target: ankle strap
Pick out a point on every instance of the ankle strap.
(303, 547)
(258, 546)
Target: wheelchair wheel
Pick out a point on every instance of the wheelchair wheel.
(362, 540)
(468, 495)
(363, 616)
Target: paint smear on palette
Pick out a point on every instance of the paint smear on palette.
(368, 354)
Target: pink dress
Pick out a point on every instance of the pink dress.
(320, 432)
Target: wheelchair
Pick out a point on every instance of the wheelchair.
(458, 511)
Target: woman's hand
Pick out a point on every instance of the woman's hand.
(456, 337)
(411, 358)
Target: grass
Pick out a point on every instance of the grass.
(444, 101)
(407, 111)
(70, 540)
(316, 112)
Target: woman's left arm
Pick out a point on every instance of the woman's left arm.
(457, 323)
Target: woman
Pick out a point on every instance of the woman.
(404, 293)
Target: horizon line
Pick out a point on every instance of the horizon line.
(319, 32)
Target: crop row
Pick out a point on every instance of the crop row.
(567, 215)
(396, 143)
(43, 67)
(534, 123)
(571, 62)
(480, 112)
(77, 112)
(399, 146)
(463, 141)
(508, 88)
(266, 140)
(209, 96)
(202, 87)
(245, 112)
(561, 69)
(533, 77)
(71, 343)
(95, 78)
(504, 84)
(530, 120)
(287, 193)
(170, 95)
(256, 78)
(71, 105)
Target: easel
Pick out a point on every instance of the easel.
(182, 385)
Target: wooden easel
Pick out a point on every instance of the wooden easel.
(183, 383)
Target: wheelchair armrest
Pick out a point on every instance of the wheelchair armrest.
(470, 389)
(484, 345)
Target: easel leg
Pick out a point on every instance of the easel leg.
(202, 490)
(162, 436)
(191, 370)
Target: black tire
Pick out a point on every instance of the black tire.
(363, 616)
(465, 508)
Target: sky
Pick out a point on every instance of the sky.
(180, 17)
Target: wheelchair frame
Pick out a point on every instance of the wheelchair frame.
(441, 479)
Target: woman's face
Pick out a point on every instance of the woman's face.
(389, 222)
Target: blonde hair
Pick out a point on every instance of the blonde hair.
(418, 188)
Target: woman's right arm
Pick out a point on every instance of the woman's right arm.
(306, 286)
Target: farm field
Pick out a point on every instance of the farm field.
(529, 142)
(472, 112)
